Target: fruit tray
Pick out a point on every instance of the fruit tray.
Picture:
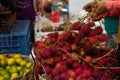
(78, 55)
(17, 67)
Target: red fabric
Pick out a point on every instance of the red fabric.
(55, 17)
(114, 7)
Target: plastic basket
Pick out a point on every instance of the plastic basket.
(18, 41)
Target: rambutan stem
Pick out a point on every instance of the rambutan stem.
(95, 60)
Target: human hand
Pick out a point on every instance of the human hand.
(88, 7)
(100, 8)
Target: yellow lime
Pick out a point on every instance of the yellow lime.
(23, 63)
(20, 69)
(8, 67)
(18, 60)
(11, 61)
(13, 70)
(3, 63)
(3, 72)
(6, 77)
(29, 65)
(14, 75)
(2, 56)
(1, 68)
(17, 56)
(27, 70)
(1, 78)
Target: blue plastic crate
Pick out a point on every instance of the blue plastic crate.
(18, 41)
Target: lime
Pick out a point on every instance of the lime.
(20, 69)
(13, 70)
(3, 72)
(6, 77)
(11, 61)
(14, 75)
(8, 67)
(1, 68)
(18, 60)
(3, 63)
(29, 65)
(17, 56)
(2, 78)
(23, 63)
(27, 70)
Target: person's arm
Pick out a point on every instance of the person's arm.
(113, 5)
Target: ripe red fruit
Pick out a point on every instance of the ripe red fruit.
(91, 24)
(57, 77)
(98, 30)
(67, 48)
(88, 43)
(96, 73)
(76, 65)
(92, 33)
(47, 68)
(62, 68)
(67, 35)
(64, 76)
(40, 44)
(55, 72)
(54, 49)
(72, 73)
(49, 61)
(102, 62)
(86, 73)
(76, 25)
(78, 70)
(78, 78)
(73, 47)
(93, 39)
(61, 43)
(84, 65)
(69, 61)
(57, 59)
(53, 35)
(53, 40)
(102, 37)
(60, 37)
(47, 53)
(47, 40)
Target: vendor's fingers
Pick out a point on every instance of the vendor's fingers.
(88, 6)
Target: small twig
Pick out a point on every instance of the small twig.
(95, 60)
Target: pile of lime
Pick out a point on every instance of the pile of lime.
(13, 67)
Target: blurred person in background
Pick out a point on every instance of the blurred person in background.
(25, 10)
(111, 26)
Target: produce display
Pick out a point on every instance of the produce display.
(76, 55)
(14, 66)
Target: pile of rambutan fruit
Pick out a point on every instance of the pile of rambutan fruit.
(76, 54)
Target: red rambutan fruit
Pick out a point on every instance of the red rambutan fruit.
(78, 70)
(57, 59)
(47, 53)
(98, 30)
(76, 25)
(75, 65)
(93, 39)
(102, 37)
(55, 72)
(86, 73)
(62, 68)
(67, 48)
(64, 76)
(47, 69)
(61, 43)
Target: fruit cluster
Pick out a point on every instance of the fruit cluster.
(12, 67)
(75, 55)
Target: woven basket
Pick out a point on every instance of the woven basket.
(26, 76)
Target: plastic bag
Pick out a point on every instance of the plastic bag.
(42, 20)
